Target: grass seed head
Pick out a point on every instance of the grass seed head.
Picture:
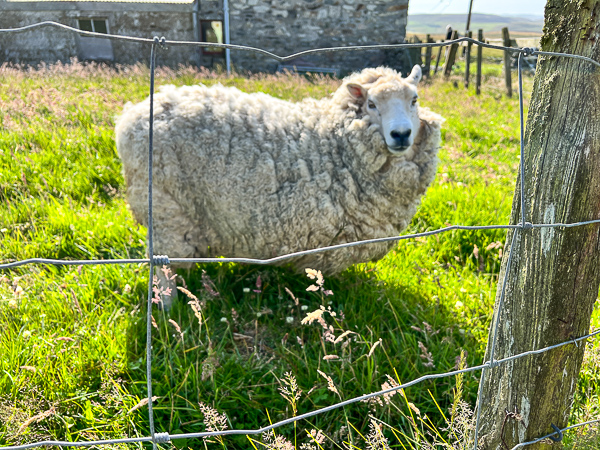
(316, 315)
(426, 356)
(213, 421)
(375, 440)
(288, 388)
(276, 442)
(330, 384)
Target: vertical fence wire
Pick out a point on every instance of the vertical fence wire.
(522, 140)
(516, 231)
(150, 248)
(492, 363)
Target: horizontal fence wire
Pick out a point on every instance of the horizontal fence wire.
(556, 433)
(158, 438)
(282, 258)
(350, 48)
(362, 398)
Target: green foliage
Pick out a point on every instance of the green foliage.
(72, 340)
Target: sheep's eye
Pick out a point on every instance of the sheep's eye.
(371, 105)
(414, 101)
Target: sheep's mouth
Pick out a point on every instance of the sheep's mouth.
(397, 150)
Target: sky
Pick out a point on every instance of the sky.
(501, 7)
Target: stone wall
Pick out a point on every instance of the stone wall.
(279, 26)
(289, 26)
(50, 44)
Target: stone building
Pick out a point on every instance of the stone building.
(280, 26)
(173, 19)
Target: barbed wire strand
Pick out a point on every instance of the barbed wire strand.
(297, 54)
(165, 437)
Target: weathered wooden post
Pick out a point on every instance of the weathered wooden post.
(427, 66)
(437, 60)
(451, 56)
(415, 52)
(468, 60)
(439, 56)
(507, 54)
(479, 59)
(552, 283)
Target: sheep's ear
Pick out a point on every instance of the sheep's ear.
(415, 75)
(357, 91)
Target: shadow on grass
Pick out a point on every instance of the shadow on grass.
(251, 334)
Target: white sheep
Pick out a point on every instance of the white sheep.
(249, 175)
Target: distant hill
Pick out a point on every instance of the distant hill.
(490, 23)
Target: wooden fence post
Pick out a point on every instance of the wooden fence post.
(507, 68)
(414, 53)
(479, 58)
(439, 56)
(468, 60)
(451, 56)
(427, 66)
(552, 282)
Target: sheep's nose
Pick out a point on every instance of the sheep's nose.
(401, 137)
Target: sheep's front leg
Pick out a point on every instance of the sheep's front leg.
(165, 281)
(171, 230)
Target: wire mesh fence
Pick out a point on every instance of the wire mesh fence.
(157, 260)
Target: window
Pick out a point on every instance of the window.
(95, 48)
(212, 31)
(95, 25)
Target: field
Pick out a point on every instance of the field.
(72, 339)
(490, 24)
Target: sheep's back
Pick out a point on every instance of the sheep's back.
(250, 167)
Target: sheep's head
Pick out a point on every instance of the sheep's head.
(391, 104)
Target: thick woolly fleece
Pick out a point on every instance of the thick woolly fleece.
(248, 175)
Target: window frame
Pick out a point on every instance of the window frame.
(206, 24)
(92, 20)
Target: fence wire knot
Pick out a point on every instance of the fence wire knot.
(492, 364)
(557, 430)
(162, 438)
(161, 260)
(161, 41)
(527, 226)
(527, 51)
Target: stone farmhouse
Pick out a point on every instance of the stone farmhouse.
(279, 26)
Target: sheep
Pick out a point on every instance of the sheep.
(249, 175)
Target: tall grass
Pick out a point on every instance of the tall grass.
(72, 359)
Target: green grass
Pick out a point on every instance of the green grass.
(72, 340)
